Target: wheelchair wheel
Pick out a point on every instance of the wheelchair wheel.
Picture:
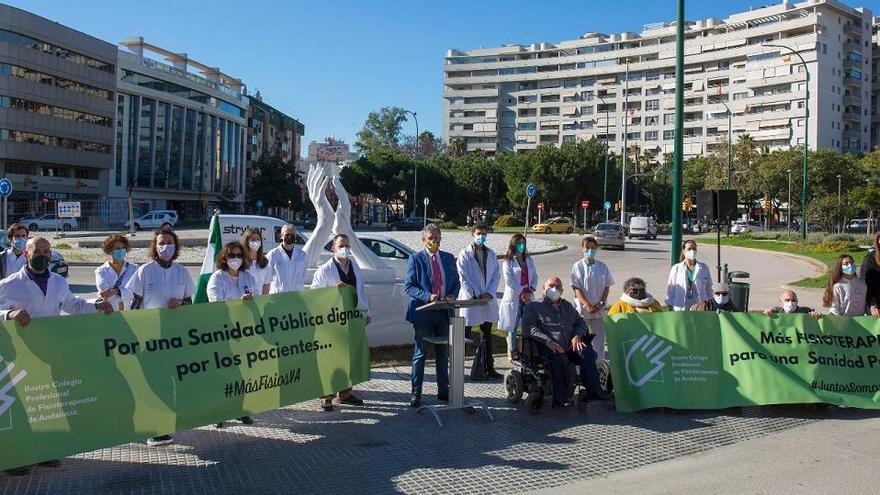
(513, 383)
(605, 376)
(534, 401)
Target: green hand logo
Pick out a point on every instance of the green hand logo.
(644, 350)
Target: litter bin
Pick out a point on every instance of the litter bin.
(739, 291)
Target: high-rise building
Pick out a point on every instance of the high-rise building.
(269, 128)
(516, 97)
(56, 111)
(329, 150)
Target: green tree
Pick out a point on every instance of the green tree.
(381, 131)
(385, 173)
(275, 182)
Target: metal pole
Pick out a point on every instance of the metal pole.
(839, 219)
(528, 205)
(605, 182)
(5, 213)
(679, 125)
(729, 145)
(415, 209)
(788, 227)
(585, 219)
(625, 132)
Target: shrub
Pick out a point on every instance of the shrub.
(508, 221)
(62, 245)
(835, 246)
(448, 226)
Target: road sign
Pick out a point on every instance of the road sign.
(585, 204)
(540, 206)
(531, 190)
(426, 201)
(607, 205)
(259, 203)
(69, 209)
(5, 188)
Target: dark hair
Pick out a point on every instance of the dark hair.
(10, 232)
(223, 256)
(627, 285)
(338, 236)
(876, 249)
(153, 254)
(836, 274)
(511, 248)
(261, 258)
(479, 226)
(589, 238)
(107, 245)
(683, 244)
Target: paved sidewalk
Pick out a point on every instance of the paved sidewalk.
(385, 447)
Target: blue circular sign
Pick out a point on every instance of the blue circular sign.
(607, 205)
(531, 190)
(259, 203)
(5, 187)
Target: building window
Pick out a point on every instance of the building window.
(650, 135)
(668, 134)
(54, 141)
(740, 96)
(54, 111)
(668, 118)
(77, 58)
(652, 104)
(60, 82)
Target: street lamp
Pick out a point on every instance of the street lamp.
(131, 184)
(806, 134)
(729, 144)
(415, 165)
(839, 225)
(605, 182)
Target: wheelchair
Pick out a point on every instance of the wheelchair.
(530, 375)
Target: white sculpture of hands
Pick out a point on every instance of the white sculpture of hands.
(317, 184)
(365, 257)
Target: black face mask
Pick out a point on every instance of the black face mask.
(289, 239)
(637, 294)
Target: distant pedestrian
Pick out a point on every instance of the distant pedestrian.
(690, 281)
(520, 283)
(845, 293)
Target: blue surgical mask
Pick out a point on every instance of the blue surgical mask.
(119, 254)
(520, 247)
(19, 243)
(479, 240)
(848, 269)
(589, 253)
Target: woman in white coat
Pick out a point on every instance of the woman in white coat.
(161, 283)
(690, 281)
(232, 281)
(341, 270)
(111, 277)
(252, 240)
(520, 282)
(479, 276)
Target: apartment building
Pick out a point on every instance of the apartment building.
(269, 128)
(516, 97)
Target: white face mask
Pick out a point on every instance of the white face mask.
(721, 299)
(690, 254)
(234, 263)
(255, 245)
(552, 293)
(790, 306)
(342, 253)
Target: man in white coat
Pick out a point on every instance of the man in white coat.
(288, 262)
(14, 259)
(342, 270)
(479, 275)
(35, 292)
(590, 281)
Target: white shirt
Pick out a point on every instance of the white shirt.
(107, 278)
(849, 297)
(327, 276)
(224, 287)
(288, 272)
(18, 291)
(592, 280)
(262, 276)
(159, 285)
(13, 263)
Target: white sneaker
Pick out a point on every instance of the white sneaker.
(160, 440)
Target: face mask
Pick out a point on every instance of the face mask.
(432, 245)
(255, 245)
(166, 251)
(19, 243)
(721, 299)
(637, 294)
(848, 269)
(289, 239)
(342, 253)
(789, 306)
(234, 263)
(38, 263)
(552, 293)
(690, 254)
(119, 254)
(589, 253)
(520, 247)
(479, 240)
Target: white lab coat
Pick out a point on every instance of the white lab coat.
(676, 286)
(327, 276)
(592, 281)
(18, 291)
(262, 276)
(159, 285)
(472, 285)
(107, 278)
(509, 310)
(12, 263)
(222, 287)
(288, 272)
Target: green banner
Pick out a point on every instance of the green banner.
(73, 384)
(711, 361)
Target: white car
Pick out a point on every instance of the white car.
(154, 220)
(49, 222)
(645, 227)
(393, 252)
(742, 227)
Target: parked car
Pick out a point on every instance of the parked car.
(743, 226)
(557, 225)
(171, 213)
(409, 223)
(49, 222)
(393, 252)
(645, 227)
(858, 225)
(58, 264)
(610, 235)
(154, 220)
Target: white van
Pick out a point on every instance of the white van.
(233, 226)
(645, 227)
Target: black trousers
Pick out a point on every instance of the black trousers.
(484, 364)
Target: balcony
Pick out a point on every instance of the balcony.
(852, 115)
(852, 81)
(854, 29)
(852, 100)
(852, 134)
(851, 64)
(851, 46)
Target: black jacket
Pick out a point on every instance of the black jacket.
(870, 273)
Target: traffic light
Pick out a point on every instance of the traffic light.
(617, 206)
(687, 204)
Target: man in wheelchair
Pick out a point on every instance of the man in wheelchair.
(563, 337)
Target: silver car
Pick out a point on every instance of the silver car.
(393, 252)
(610, 235)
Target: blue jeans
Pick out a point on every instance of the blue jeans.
(441, 354)
(588, 370)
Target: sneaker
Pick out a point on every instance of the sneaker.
(53, 463)
(415, 401)
(19, 471)
(246, 420)
(352, 400)
(327, 406)
(218, 425)
(160, 440)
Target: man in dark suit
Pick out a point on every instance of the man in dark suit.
(431, 275)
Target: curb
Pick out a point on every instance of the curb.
(816, 264)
